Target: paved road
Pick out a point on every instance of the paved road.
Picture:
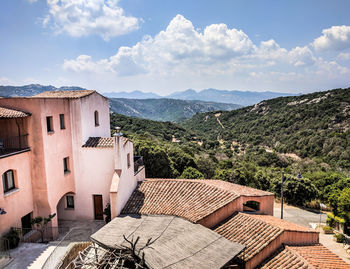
(299, 216)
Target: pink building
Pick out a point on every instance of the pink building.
(57, 156)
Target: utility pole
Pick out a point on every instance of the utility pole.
(282, 185)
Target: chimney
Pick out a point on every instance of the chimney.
(118, 146)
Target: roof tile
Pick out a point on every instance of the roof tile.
(252, 232)
(9, 113)
(190, 199)
(99, 142)
(64, 94)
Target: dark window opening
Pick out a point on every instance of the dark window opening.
(128, 159)
(62, 125)
(66, 165)
(251, 206)
(8, 181)
(49, 124)
(70, 201)
(97, 120)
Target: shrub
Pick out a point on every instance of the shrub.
(339, 237)
(192, 173)
(327, 229)
(13, 238)
(330, 219)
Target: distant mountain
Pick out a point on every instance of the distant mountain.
(32, 89)
(165, 109)
(132, 95)
(243, 98)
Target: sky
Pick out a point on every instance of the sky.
(163, 46)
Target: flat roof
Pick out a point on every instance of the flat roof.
(176, 243)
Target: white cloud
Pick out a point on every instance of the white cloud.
(86, 17)
(343, 56)
(215, 57)
(334, 38)
(5, 81)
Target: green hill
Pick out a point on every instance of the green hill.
(314, 126)
(165, 109)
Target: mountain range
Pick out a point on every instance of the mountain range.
(243, 98)
(164, 109)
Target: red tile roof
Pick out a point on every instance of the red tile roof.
(236, 189)
(190, 199)
(99, 142)
(9, 113)
(287, 259)
(320, 257)
(313, 257)
(254, 233)
(283, 224)
(64, 94)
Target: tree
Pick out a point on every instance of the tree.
(191, 173)
(40, 224)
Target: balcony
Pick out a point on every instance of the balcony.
(13, 145)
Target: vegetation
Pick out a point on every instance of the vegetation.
(307, 135)
(164, 109)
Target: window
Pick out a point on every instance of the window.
(8, 181)
(251, 206)
(70, 201)
(49, 124)
(128, 159)
(66, 165)
(62, 125)
(97, 121)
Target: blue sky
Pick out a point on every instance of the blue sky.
(166, 46)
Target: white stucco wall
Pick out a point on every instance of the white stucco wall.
(90, 104)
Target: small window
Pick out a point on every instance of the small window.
(128, 159)
(66, 165)
(251, 206)
(62, 125)
(49, 124)
(8, 181)
(97, 120)
(70, 201)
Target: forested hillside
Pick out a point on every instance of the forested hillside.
(307, 135)
(313, 126)
(165, 109)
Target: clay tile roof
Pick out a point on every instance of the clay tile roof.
(254, 233)
(238, 189)
(7, 113)
(283, 224)
(189, 199)
(99, 142)
(287, 259)
(319, 256)
(64, 94)
(310, 257)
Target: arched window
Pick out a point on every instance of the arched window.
(251, 206)
(8, 180)
(97, 121)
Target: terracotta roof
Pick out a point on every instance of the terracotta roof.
(238, 189)
(254, 233)
(7, 113)
(64, 94)
(287, 259)
(99, 142)
(283, 224)
(316, 256)
(190, 199)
